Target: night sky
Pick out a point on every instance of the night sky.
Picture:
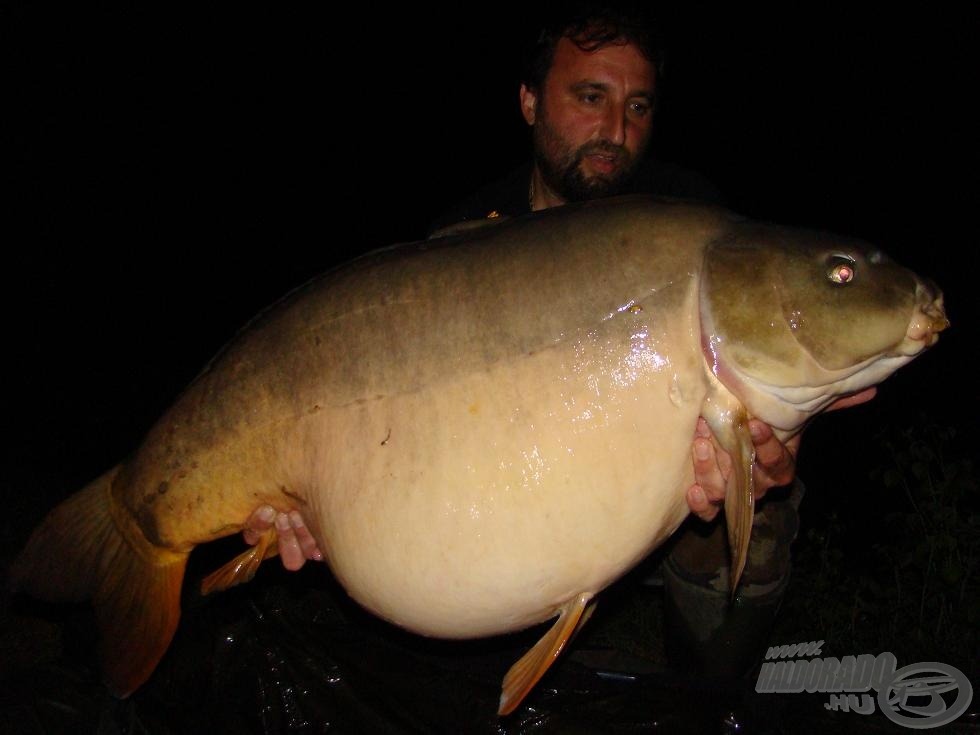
(175, 171)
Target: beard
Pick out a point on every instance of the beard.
(561, 166)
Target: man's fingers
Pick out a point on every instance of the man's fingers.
(711, 467)
(258, 523)
(770, 454)
(294, 540)
(863, 397)
(289, 549)
(707, 472)
(307, 543)
(777, 461)
(699, 504)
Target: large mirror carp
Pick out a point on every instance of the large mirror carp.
(484, 431)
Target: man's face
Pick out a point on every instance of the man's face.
(592, 119)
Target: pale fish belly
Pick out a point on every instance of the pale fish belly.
(482, 505)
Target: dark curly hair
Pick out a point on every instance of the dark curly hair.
(590, 26)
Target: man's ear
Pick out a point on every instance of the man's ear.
(529, 104)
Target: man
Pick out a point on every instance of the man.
(590, 106)
(589, 97)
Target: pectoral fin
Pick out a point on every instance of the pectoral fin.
(740, 501)
(531, 667)
(243, 567)
(729, 422)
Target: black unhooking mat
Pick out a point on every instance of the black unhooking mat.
(291, 653)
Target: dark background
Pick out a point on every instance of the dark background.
(170, 172)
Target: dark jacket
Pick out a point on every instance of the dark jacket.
(508, 196)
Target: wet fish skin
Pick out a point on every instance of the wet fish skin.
(484, 431)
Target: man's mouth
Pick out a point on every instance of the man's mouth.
(603, 163)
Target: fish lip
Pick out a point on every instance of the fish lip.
(918, 339)
(929, 317)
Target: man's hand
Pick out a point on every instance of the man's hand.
(296, 543)
(775, 462)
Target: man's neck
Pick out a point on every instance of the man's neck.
(540, 195)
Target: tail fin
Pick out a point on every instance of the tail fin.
(90, 549)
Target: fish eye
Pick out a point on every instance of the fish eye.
(841, 269)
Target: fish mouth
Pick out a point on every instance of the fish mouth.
(928, 319)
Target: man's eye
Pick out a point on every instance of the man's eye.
(591, 98)
(641, 109)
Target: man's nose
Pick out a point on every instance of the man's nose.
(614, 125)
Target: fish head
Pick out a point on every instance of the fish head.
(791, 320)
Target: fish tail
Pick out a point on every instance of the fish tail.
(90, 548)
